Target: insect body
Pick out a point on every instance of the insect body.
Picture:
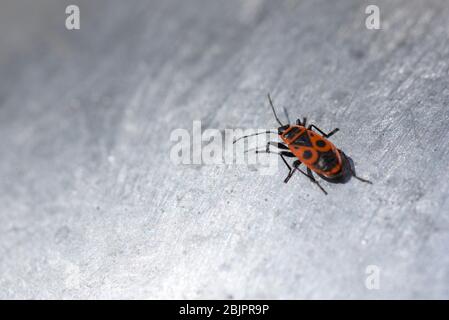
(313, 150)
(311, 147)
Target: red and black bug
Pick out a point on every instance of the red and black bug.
(311, 147)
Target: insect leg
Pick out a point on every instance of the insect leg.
(254, 134)
(296, 164)
(286, 154)
(332, 132)
(286, 163)
(312, 178)
(326, 135)
(278, 145)
(282, 154)
(291, 172)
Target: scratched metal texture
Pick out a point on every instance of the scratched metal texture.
(91, 206)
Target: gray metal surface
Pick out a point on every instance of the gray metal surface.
(92, 207)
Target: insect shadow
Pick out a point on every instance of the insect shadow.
(348, 171)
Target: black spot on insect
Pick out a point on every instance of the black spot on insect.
(307, 154)
(320, 143)
(302, 140)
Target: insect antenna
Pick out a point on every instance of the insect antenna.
(274, 112)
(286, 115)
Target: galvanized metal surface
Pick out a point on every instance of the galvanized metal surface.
(91, 205)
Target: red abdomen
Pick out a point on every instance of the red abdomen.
(313, 150)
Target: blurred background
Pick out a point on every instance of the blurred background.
(91, 206)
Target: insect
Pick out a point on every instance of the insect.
(311, 147)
